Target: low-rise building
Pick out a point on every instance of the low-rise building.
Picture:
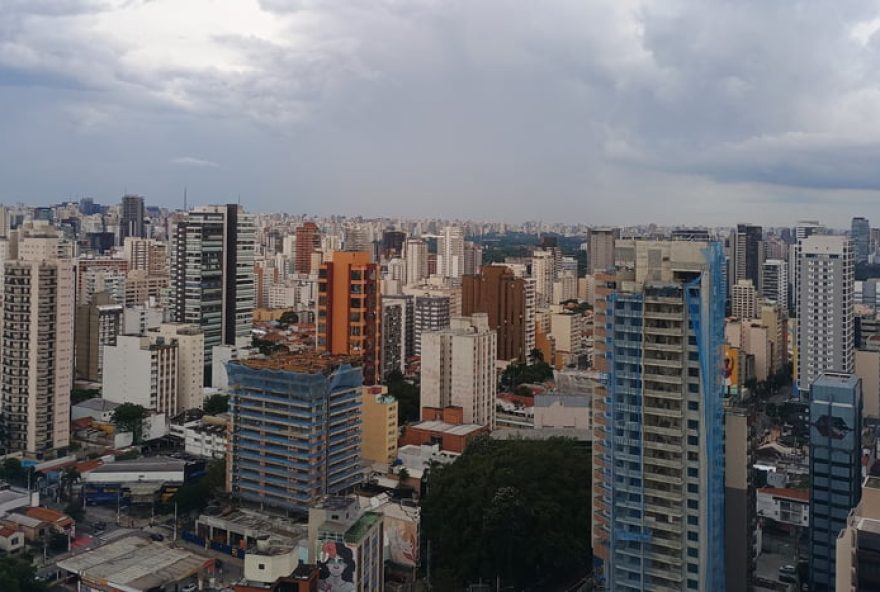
(444, 427)
(784, 505)
(11, 540)
(858, 545)
(347, 545)
(97, 408)
(207, 440)
(136, 564)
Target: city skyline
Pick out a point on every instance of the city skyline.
(557, 111)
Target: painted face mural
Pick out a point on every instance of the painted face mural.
(337, 567)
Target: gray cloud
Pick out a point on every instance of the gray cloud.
(194, 162)
(604, 111)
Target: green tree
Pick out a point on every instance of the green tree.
(74, 510)
(216, 403)
(17, 575)
(69, 477)
(289, 317)
(57, 542)
(130, 417)
(14, 472)
(80, 395)
(267, 347)
(407, 395)
(198, 494)
(518, 509)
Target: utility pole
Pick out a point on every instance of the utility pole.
(175, 522)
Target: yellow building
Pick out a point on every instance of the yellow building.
(380, 425)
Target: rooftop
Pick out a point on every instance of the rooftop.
(447, 428)
(801, 495)
(98, 404)
(360, 528)
(309, 362)
(135, 563)
(143, 464)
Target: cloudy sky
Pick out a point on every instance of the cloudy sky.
(601, 111)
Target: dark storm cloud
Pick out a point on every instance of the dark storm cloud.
(598, 111)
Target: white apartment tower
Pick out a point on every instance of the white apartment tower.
(416, 256)
(143, 370)
(450, 252)
(825, 307)
(37, 347)
(190, 361)
(744, 300)
(774, 281)
(458, 368)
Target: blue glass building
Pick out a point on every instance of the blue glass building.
(835, 468)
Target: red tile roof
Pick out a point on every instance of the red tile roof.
(787, 492)
(48, 515)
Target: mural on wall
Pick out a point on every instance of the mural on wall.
(402, 538)
(731, 367)
(337, 566)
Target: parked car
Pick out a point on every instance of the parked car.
(189, 587)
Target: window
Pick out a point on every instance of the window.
(261, 566)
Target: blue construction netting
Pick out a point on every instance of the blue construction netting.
(706, 314)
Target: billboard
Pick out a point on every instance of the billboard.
(731, 367)
(337, 566)
(402, 540)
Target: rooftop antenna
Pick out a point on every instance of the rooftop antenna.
(184, 198)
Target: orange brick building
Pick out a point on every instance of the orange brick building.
(349, 310)
(444, 427)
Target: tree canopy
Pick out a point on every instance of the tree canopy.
(130, 417)
(18, 576)
(407, 395)
(518, 509)
(196, 495)
(521, 373)
(216, 403)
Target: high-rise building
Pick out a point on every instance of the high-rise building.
(744, 300)
(142, 370)
(416, 255)
(212, 271)
(190, 361)
(497, 292)
(601, 251)
(97, 324)
(835, 468)
(774, 281)
(131, 218)
(858, 546)
(350, 310)
(748, 254)
(658, 451)
(544, 274)
(146, 254)
(308, 240)
(393, 335)
(450, 252)
(825, 330)
(296, 429)
(37, 348)
(740, 506)
(430, 313)
(379, 425)
(803, 229)
(392, 243)
(473, 258)
(458, 369)
(860, 234)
